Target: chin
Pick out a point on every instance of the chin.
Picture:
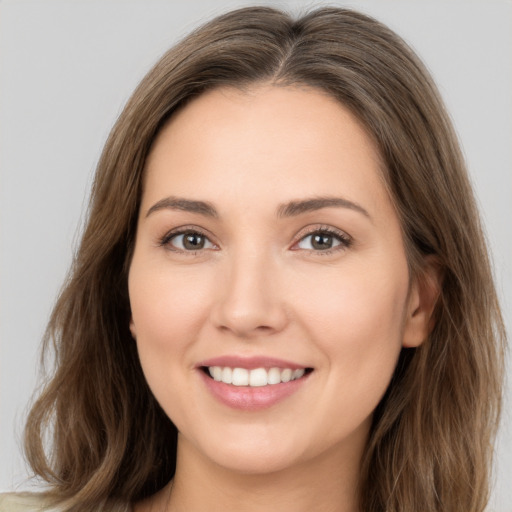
(255, 462)
(250, 453)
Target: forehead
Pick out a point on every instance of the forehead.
(290, 113)
(261, 141)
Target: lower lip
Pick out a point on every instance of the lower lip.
(248, 398)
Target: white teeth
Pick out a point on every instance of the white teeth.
(216, 373)
(227, 375)
(258, 377)
(286, 375)
(274, 376)
(240, 377)
(297, 374)
(254, 378)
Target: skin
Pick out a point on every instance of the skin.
(259, 287)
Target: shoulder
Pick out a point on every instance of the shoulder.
(23, 502)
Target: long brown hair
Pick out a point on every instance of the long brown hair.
(430, 445)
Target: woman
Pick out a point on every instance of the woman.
(282, 297)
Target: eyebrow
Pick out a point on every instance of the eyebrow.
(186, 205)
(290, 209)
(294, 208)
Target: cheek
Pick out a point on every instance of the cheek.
(165, 305)
(168, 310)
(356, 321)
(354, 303)
(167, 314)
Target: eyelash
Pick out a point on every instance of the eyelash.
(345, 241)
(192, 230)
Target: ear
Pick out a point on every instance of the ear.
(425, 290)
(132, 329)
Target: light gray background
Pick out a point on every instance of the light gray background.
(67, 68)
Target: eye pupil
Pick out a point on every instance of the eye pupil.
(321, 241)
(193, 241)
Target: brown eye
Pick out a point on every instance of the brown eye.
(192, 241)
(189, 241)
(323, 241)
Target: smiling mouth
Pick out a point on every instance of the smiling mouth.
(257, 377)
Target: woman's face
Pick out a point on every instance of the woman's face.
(268, 254)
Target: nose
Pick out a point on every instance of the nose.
(250, 297)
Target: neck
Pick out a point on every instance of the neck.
(328, 483)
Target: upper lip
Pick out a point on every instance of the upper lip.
(250, 363)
